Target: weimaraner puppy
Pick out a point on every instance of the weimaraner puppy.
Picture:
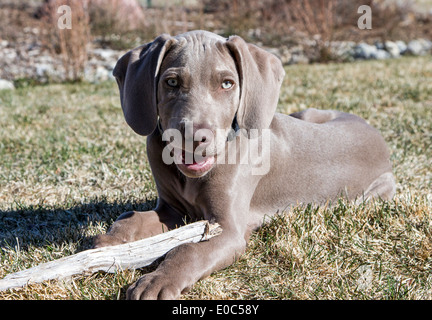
(221, 95)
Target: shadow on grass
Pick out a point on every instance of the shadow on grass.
(43, 226)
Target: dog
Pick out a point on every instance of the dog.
(219, 96)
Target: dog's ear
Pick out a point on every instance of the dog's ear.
(261, 74)
(136, 73)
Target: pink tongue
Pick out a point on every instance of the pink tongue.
(196, 165)
(193, 160)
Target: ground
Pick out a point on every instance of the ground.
(70, 166)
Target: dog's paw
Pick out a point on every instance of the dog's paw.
(155, 286)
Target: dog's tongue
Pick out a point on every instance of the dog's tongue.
(190, 161)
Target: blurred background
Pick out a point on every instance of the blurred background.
(34, 50)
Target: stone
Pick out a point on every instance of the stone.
(365, 51)
(401, 46)
(299, 59)
(6, 85)
(103, 74)
(44, 69)
(343, 50)
(379, 45)
(426, 45)
(392, 48)
(105, 54)
(381, 55)
(97, 73)
(415, 48)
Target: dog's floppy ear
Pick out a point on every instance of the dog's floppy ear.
(136, 73)
(261, 75)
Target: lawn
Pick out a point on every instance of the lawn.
(69, 165)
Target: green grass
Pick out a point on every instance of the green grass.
(69, 165)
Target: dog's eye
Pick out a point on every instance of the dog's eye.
(172, 82)
(227, 84)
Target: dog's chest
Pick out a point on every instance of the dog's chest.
(186, 195)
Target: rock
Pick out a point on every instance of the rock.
(9, 54)
(379, 45)
(392, 48)
(426, 45)
(419, 47)
(97, 73)
(365, 51)
(6, 85)
(297, 55)
(401, 46)
(381, 55)
(285, 55)
(103, 74)
(44, 70)
(343, 50)
(299, 59)
(414, 47)
(105, 54)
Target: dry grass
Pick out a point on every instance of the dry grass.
(289, 23)
(70, 166)
(373, 251)
(70, 42)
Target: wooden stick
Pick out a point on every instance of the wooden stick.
(132, 255)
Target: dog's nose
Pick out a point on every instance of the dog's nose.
(199, 133)
(203, 134)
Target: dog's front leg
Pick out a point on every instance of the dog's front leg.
(188, 263)
(137, 225)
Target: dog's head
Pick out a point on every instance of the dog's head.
(201, 85)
